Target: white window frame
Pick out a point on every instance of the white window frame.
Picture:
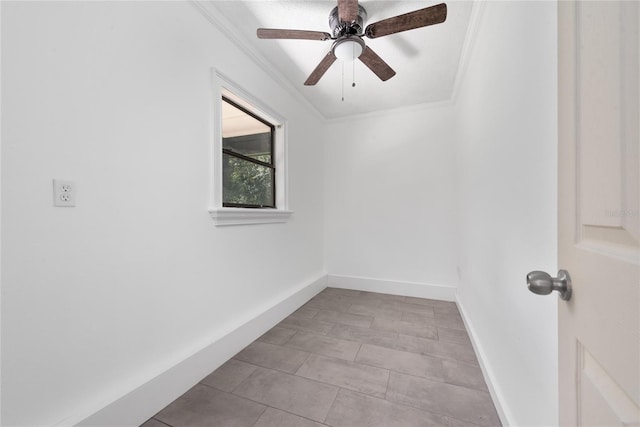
(221, 216)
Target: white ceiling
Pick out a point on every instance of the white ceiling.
(426, 60)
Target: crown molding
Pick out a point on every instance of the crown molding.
(467, 49)
(212, 14)
(405, 109)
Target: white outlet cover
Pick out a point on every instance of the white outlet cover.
(64, 193)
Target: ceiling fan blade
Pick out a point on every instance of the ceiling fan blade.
(408, 21)
(376, 64)
(322, 68)
(348, 10)
(274, 33)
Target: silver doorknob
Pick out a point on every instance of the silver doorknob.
(542, 283)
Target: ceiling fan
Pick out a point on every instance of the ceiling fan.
(347, 23)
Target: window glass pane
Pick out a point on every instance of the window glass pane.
(247, 183)
(257, 146)
(245, 134)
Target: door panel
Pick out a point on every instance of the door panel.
(603, 402)
(599, 228)
(607, 134)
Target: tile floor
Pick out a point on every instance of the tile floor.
(347, 358)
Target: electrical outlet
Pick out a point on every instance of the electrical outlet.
(64, 193)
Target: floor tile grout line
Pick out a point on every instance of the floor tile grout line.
(261, 414)
(224, 391)
(290, 413)
(395, 344)
(338, 388)
(289, 339)
(262, 403)
(358, 352)
(333, 402)
(342, 360)
(160, 421)
(342, 387)
(449, 418)
(284, 345)
(386, 389)
(343, 312)
(276, 369)
(278, 325)
(426, 410)
(241, 382)
(291, 374)
(442, 380)
(302, 364)
(416, 407)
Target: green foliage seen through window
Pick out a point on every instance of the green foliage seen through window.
(247, 183)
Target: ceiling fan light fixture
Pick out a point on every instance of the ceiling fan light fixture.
(348, 49)
(346, 21)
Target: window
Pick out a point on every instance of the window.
(249, 169)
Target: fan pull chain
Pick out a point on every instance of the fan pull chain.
(342, 81)
(354, 74)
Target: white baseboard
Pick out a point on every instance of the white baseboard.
(487, 371)
(411, 289)
(139, 402)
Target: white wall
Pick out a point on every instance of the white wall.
(506, 167)
(390, 192)
(100, 298)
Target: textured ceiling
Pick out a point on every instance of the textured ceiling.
(426, 60)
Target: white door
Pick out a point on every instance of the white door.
(599, 215)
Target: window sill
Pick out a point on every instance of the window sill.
(245, 216)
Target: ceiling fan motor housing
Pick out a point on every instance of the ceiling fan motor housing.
(339, 28)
